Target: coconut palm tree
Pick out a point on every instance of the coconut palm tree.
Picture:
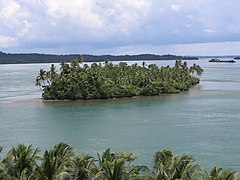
(218, 173)
(115, 166)
(80, 59)
(41, 79)
(1, 148)
(21, 161)
(162, 164)
(3, 175)
(80, 167)
(170, 167)
(196, 69)
(112, 171)
(50, 166)
(54, 162)
(52, 73)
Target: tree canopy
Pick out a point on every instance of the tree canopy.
(18, 58)
(62, 163)
(76, 80)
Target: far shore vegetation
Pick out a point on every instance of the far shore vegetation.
(78, 80)
(62, 163)
(23, 58)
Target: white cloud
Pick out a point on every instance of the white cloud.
(99, 18)
(6, 41)
(175, 7)
(26, 31)
(72, 11)
(190, 16)
(12, 13)
(16, 18)
(209, 30)
(130, 14)
(100, 24)
(60, 21)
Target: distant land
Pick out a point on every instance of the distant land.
(21, 58)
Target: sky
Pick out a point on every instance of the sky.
(182, 27)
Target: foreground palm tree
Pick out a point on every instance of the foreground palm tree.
(54, 162)
(20, 161)
(112, 171)
(1, 148)
(220, 174)
(3, 175)
(169, 166)
(115, 166)
(60, 163)
(80, 167)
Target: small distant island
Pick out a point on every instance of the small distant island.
(105, 80)
(219, 61)
(8, 58)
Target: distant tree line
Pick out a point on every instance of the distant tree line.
(61, 163)
(8, 58)
(76, 80)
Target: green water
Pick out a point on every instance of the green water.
(203, 122)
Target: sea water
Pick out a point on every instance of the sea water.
(203, 122)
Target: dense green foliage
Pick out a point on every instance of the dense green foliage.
(60, 162)
(8, 58)
(81, 81)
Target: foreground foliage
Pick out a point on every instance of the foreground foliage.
(60, 162)
(97, 81)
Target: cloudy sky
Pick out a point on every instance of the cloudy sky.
(184, 27)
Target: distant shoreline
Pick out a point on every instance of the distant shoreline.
(21, 58)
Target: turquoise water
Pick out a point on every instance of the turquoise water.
(203, 122)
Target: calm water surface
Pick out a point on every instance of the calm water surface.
(203, 122)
